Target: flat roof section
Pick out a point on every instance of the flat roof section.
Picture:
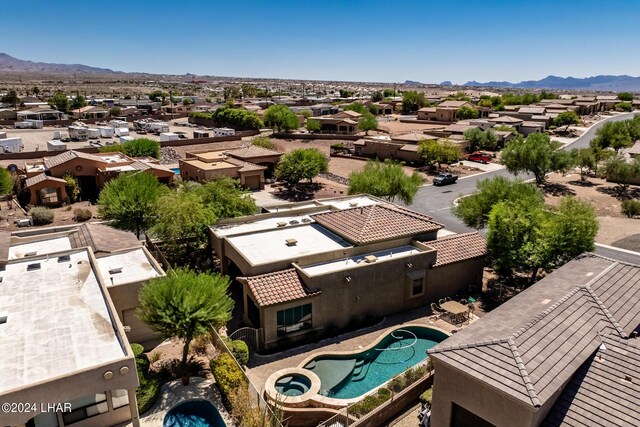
(210, 166)
(271, 246)
(126, 267)
(260, 225)
(359, 201)
(58, 321)
(345, 263)
(41, 247)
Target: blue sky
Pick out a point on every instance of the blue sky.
(360, 40)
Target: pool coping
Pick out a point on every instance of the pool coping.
(294, 401)
(333, 402)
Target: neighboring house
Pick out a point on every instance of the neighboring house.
(40, 113)
(176, 108)
(337, 125)
(383, 109)
(447, 111)
(382, 149)
(311, 266)
(91, 112)
(8, 114)
(91, 171)
(210, 165)
(564, 352)
(69, 295)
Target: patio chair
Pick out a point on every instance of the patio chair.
(435, 310)
(463, 301)
(447, 299)
(441, 301)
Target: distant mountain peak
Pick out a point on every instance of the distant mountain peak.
(10, 64)
(594, 83)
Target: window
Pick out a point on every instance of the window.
(417, 286)
(49, 195)
(45, 419)
(119, 398)
(294, 319)
(85, 407)
(460, 417)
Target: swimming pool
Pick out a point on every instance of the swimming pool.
(293, 385)
(194, 413)
(348, 376)
(176, 171)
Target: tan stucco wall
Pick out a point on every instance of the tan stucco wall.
(452, 279)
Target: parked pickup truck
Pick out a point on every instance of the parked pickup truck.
(479, 157)
(444, 179)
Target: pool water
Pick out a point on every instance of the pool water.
(349, 376)
(293, 385)
(193, 413)
(176, 171)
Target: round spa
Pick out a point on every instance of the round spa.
(293, 386)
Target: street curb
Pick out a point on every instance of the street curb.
(613, 248)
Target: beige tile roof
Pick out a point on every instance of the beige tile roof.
(376, 223)
(458, 247)
(253, 151)
(245, 166)
(42, 177)
(278, 287)
(5, 243)
(50, 162)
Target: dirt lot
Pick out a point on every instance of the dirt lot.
(615, 228)
(62, 216)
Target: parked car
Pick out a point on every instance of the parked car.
(444, 179)
(479, 157)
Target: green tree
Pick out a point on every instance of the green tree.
(185, 305)
(248, 90)
(440, 151)
(60, 102)
(11, 97)
(357, 106)
(484, 139)
(345, 93)
(377, 96)
(6, 183)
(186, 101)
(71, 187)
(231, 93)
(306, 113)
(282, 118)
(625, 96)
(313, 125)
(624, 106)
(237, 118)
(368, 122)
(525, 236)
(585, 160)
(412, 101)
(115, 111)
(301, 163)
(264, 142)
(78, 102)
(617, 135)
(474, 209)
(617, 169)
(226, 198)
(36, 91)
(181, 225)
(536, 154)
(566, 118)
(388, 93)
(466, 113)
(142, 147)
(158, 95)
(387, 180)
(129, 201)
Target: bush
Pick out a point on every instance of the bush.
(137, 349)
(239, 350)
(426, 396)
(631, 208)
(41, 215)
(398, 383)
(82, 215)
(228, 376)
(369, 403)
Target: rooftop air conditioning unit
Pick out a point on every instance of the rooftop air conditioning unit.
(370, 258)
(3, 317)
(115, 270)
(353, 204)
(291, 242)
(33, 253)
(281, 223)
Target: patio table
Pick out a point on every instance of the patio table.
(455, 310)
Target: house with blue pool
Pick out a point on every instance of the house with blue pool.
(311, 266)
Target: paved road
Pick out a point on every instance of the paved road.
(437, 201)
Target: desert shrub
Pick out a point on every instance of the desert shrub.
(239, 350)
(426, 396)
(228, 376)
(71, 187)
(82, 215)
(200, 345)
(398, 383)
(137, 349)
(384, 394)
(41, 215)
(631, 208)
(155, 356)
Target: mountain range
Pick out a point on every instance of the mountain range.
(596, 83)
(10, 64)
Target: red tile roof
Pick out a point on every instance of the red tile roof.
(277, 287)
(458, 247)
(376, 223)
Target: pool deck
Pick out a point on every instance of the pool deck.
(261, 367)
(174, 392)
